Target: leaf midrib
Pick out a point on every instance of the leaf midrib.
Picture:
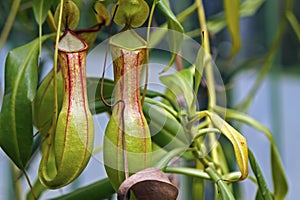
(14, 94)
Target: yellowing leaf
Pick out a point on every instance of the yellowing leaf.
(279, 179)
(238, 141)
(102, 14)
(231, 8)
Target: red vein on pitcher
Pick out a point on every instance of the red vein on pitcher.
(127, 142)
(74, 136)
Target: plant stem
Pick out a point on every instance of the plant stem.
(55, 63)
(29, 183)
(188, 172)
(16, 182)
(210, 79)
(206, 46)
(9, 22)
(55, 104)
(147, 52)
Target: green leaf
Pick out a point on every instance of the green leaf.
(21, 78)
(99, 190)
(93, 88)
(231, 8)
(242, 117)
(93, 92)
(175, 34)
(278, 175)
(43, 102)
(248, 8)
(294, 23)
(279, 179)
(131, 12)
(165, 130)
(258, 195)
(198, 188)
(101, 13)
(237, 140)
(264, 190)
(167, 157)
(222, 185)
(181, 85)
(40, 10)
(70, 15)
(201, 61)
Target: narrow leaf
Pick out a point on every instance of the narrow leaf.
(231, 8)
(21, 77)
(175, 32)
(278, 175)
(164, 161)
(101, 13)
(200, 63)
(258, 195)
(294, 23)
(223, 187)
(238, 141)
(242, 117)
(40, 10)
(198, 188)
(99, 190)
(43, 102)
(264, 190)
(181, 85)
(248, 8)
(279, 179)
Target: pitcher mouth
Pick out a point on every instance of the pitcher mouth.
(128, 40)
(70, 42)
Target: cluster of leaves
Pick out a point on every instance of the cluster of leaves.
(182, 134)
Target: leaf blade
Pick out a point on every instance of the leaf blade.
(40, 10)
(99, 190)
(17, 101)
(175, 34)
(238, 141)
(264, 191)
(294, 23)
(279, 178)
(248, 8)
(181, 85)
(231, 8)
(21, 77)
